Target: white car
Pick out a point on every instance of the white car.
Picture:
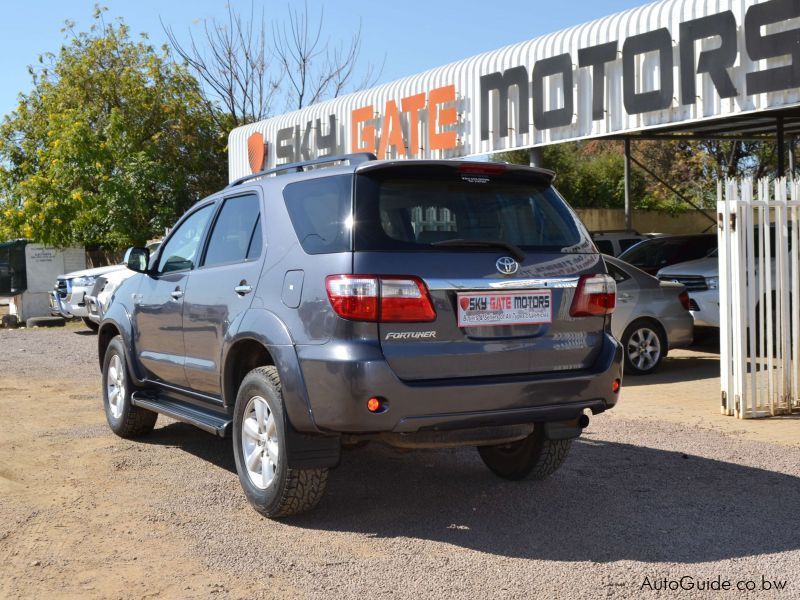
(68, 297)
(103, 291)
(701, 278)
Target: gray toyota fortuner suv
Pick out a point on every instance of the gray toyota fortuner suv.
(422, 304)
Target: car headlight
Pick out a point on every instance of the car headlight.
(712, 282)
(83, 281)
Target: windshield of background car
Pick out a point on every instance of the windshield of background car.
(417, 209)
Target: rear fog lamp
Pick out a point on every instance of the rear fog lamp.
(375, 404)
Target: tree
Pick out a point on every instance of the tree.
(111, 145)
(588, 174)
(248, 65)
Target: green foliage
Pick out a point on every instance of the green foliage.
(113, 143)
(590, 174)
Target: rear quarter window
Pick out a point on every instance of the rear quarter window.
(320, 210)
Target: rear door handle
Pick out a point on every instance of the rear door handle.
(177, 294)
(243, 288)
(625, 296)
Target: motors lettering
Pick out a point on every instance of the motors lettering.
(716, 62)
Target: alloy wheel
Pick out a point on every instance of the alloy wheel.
(260, 447)
(644, 348)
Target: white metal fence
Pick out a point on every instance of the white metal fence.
(759, 283)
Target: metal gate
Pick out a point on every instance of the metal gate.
(759, 281)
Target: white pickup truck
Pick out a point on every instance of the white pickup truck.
(86, 294)
(701, 278)
(68, 297)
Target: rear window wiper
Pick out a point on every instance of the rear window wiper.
(513, 249)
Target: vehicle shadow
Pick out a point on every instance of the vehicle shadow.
(210, 448)
(609, 502)
(85, 332)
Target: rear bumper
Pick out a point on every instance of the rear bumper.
(680, 330)
(340, 378)
(707, 303)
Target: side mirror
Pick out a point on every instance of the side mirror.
(137, 259)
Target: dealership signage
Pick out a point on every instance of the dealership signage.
(647, 67)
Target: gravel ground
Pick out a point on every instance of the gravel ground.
(87, 514)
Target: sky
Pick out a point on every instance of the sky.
(406, 37)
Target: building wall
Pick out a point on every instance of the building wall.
(646, 221)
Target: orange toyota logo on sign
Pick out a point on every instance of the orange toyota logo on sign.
(256, 152)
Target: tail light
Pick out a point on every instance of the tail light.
(595, 295)
(684, 298)
(380, 298)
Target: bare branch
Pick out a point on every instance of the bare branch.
(245, 64)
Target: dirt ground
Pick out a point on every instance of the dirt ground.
(661, 487)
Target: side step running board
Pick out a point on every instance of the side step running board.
(203, 418)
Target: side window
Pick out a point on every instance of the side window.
(618, 274)
(233, 231)
(320, 213)
(605, 246)
(183, 247)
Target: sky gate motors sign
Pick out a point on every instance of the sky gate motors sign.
(738, 60)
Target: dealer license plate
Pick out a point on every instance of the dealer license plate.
(481, 309)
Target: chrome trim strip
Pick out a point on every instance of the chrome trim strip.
(501, 284)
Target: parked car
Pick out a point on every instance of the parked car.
(701, 278)
(75, 294)
(68, 297)
(103, 291)
(652, 255)
(651, 317)
(343, 300)
(614, 242)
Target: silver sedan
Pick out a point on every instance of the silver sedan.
(651, 317)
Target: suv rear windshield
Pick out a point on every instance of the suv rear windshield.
(406, 210)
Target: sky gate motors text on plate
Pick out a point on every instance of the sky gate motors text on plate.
(435, 117)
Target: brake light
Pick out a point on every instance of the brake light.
(595, 295)
(380, 298)
(482, 168)
(684, 298)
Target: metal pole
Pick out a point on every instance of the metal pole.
(628, 219)
(791, 156)
(780, 142)
(536, 158)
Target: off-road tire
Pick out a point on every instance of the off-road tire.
(291, 491)
(133, 421)
(91, 324)
(536, 457)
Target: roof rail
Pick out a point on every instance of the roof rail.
(353, 159)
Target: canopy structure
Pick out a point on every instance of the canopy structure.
(688, 69)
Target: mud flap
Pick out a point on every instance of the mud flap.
(308, 451)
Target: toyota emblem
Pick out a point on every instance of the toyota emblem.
(507, 265)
